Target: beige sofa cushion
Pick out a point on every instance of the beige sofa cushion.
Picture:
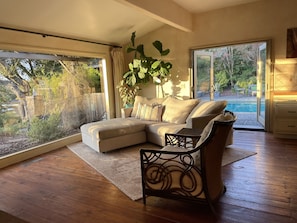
(144, 100)
(207, 107)
(176, 111)
(112, 128)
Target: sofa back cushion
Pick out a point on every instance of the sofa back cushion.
(144, 100)
(176, 110)
(208, 107)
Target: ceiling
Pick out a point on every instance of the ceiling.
(104, 21)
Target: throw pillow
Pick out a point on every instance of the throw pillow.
(147, 113)
(144, 100)
(150, 112)
(157, 111)
(141, 108)
(176, 110)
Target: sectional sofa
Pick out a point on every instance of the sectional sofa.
(148, 121)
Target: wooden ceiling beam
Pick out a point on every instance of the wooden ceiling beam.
(166, 11)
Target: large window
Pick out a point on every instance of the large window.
(46, 97)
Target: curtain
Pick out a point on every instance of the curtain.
(118, 64)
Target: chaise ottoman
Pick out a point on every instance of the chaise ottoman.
(107, 135)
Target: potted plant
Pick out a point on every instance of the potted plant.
(143, 69)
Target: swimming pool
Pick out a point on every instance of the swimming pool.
(240, 106)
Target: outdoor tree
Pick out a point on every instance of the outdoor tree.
(23, 74)
(5, 97)
(236, 64)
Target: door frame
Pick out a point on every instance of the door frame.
(268, 104)
(260, 85)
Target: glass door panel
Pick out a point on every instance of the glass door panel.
(203, 75)
(261, 83)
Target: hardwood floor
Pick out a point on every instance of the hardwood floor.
(59, 187)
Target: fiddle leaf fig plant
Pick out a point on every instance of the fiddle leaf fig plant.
(143, 69)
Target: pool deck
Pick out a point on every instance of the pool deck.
(245, 120)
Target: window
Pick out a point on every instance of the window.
(46, 97)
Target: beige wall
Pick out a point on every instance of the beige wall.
(18, 41)
(265, 20)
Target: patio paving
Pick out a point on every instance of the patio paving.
(245, 120)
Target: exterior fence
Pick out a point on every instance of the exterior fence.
(74, 111)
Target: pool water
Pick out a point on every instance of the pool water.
(243, 106)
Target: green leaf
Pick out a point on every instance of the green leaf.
(164, 71)
(158, 45)
(133, 80)
(168, 65)
(128, 73)
(156, 64)
(133, 35)
(165, 52)
(155, 74)
(131, 66)
(130, 49)
(141, 74)
(140, 50)
(143, 69)
(136, 63)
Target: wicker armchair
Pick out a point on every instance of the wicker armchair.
(189, 174)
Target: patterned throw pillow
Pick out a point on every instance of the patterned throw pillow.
(140, 110)
(149, 112)
(157, 111)
(144, 100)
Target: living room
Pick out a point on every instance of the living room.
(257, 20)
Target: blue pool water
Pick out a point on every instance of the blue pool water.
(242, 106)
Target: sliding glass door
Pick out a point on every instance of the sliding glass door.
(238, 74)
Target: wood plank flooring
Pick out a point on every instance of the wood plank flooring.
(60, 187)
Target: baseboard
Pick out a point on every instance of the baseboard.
(38, 150)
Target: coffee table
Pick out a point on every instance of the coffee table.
(186, 138)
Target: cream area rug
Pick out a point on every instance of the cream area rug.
(122, 166)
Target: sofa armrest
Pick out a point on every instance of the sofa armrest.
(126, 112)
(199, 122)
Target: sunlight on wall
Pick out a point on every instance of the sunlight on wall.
(285, 75)
(182, 90)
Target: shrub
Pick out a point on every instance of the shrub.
(45, 129)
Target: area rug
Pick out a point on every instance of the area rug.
(122, 166)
